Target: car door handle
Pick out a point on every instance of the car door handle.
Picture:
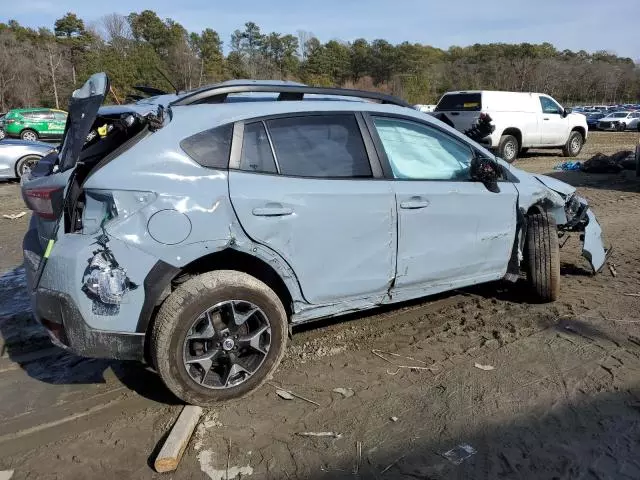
(414, 203)
(272, 210)
(546, 118)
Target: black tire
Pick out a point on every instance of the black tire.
(543, 257)
(508, 148)
(29, 161)
(175, 319)
(29, 135)
(622, 127)
(574, 145)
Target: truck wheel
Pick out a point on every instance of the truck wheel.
(218, 336)
(574, 144)
(543, 257)
(508, 148)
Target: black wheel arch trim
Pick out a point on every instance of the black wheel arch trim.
(155, 283)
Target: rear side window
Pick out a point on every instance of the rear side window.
(256, 150)
(323, 146)
(466, 102)
(210, 148)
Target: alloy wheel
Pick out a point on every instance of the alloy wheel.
(227, 344)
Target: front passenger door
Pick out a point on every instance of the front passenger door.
(554, 125)
(452, 231)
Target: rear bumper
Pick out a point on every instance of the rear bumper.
(57, 312)
(75, 320)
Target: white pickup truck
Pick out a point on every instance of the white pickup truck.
(522, 121)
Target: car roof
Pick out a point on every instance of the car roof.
(191, 119)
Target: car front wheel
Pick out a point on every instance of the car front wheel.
(26, 164)
(218, 336)
(543, 257)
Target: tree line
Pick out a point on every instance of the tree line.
(42, 67)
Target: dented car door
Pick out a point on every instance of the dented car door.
(451, 231)
(304, 187)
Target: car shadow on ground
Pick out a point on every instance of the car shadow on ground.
(25, 342)
(587, 436)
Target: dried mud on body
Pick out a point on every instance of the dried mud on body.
(562, 399)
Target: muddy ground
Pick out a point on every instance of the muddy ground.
(562, 399)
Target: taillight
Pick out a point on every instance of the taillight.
(43, 201)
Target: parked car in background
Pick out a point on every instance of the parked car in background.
(2, 134)
(425, 108)
(35, 123)
(18, 157)
(593, 118)
(619, 121)
(217, 224)
(522, 121)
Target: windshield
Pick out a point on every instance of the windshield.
(468, 102)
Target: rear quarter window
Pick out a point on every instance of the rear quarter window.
(210, 148)
(465, 102)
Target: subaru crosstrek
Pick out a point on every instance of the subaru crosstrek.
(193, 229)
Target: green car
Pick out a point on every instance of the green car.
(35, 123)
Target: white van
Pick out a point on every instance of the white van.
(522, 120)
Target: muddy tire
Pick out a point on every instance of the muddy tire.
(508, 148)
(574, 145)
(221, 359)
(543, 257)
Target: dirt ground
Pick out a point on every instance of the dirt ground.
(561, 402)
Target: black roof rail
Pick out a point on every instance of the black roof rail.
(218, 94)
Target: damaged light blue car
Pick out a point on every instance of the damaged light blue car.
(191, 230)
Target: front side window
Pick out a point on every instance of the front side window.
(322, 146)
(549, 106)
(60, 116)
(418, 152)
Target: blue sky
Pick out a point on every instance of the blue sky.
(575, 24)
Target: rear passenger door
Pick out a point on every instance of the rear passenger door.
(309, 188)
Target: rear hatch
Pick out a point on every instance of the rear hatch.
(461, 108)
(93, 135)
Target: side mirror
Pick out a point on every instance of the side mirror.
(566, 112)
(486, 171)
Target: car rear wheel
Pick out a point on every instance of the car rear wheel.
(574, 145)
(218, 336)
(622, 127)
(29, 135)
(543, 257)
(26, 164)
(508, 148)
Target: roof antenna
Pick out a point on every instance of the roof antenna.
(167, 79)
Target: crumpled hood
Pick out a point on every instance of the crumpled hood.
(555, 184)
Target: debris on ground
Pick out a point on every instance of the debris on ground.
(601, 163)
(484, 367)
(612, 269)
(345, 392)
(6, 474)
(381, 354)
(289, 392)
(632, 294)
(320, 434)
(284, 394)
(394, 419)
(178, 439)
(356, 467)
(14, 216)
(459, 454)
(395, 462)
